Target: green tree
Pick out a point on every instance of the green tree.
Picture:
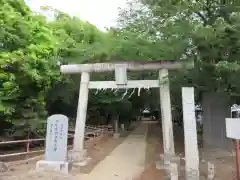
(32, 48)
(206, 32)
(28, 64)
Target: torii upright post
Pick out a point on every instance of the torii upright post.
(120, 69)
(78, 142)
(167, 127)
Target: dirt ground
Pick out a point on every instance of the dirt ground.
(225, 166)
(97, 151)
(224, 162)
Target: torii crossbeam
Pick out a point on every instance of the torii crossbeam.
(121, 81)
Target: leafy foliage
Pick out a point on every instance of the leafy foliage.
(27, 62)
(204, 31)
(33, 47)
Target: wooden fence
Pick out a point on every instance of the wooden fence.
(91, 132)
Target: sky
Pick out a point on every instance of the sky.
(102, 13)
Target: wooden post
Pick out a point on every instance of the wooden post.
(27, 148)
(237, 148)
(190, 134)
(233, 132)
(167, 126)
(78, 144)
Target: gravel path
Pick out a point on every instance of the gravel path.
(126, 161)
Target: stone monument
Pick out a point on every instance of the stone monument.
(55, 145)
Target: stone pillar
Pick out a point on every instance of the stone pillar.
(167, 126)
(78, 145)
(116, 127)
(190, 134)
(123, 127)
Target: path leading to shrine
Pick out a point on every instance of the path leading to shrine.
(127, 161)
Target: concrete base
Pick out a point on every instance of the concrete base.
(58, 166)
(78, 158)
(171, 164)
(161, 165)
(168, 158)
(116, 135)
(77, 155)
(171, 172)
(82, 163)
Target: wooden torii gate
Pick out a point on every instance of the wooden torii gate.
(121, 82)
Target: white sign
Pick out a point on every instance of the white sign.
(233, 128)
(57, 138)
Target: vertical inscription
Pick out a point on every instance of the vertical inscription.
(55, 144)
(56, 139)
